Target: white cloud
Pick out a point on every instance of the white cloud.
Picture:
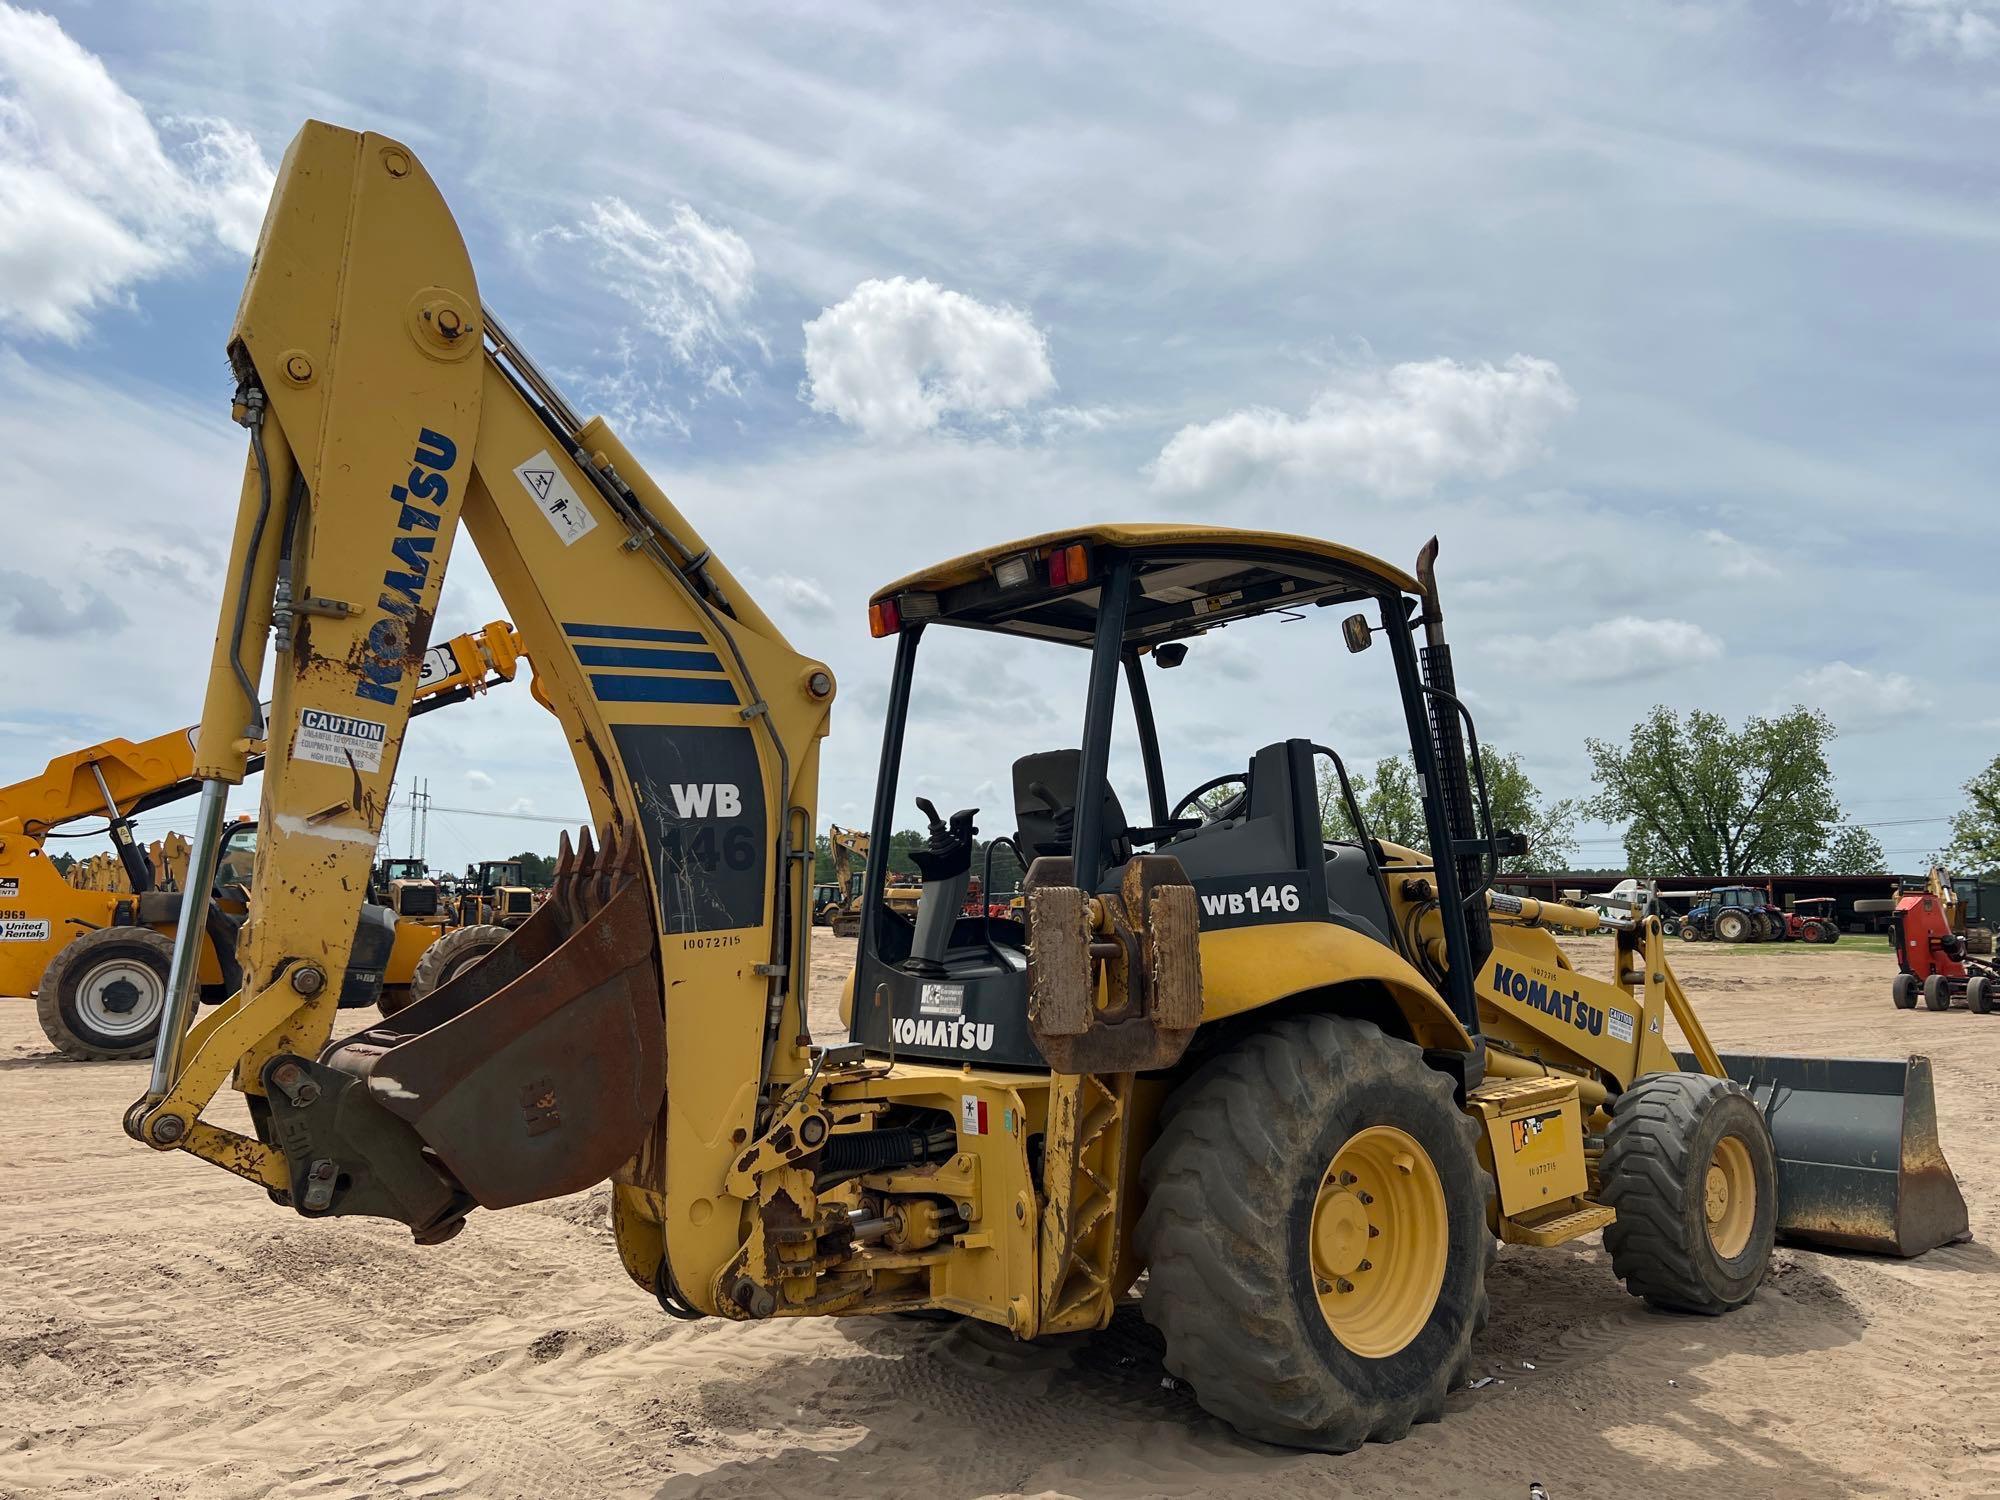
(1856, 698)
(96, 200)
(688, 279)
(1735, 559)
(1957, 28)
(1397, 432)
(902, 357)
(802, 596)
(479, 780)
(1617, 650)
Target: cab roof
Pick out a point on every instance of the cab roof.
(1189, 579)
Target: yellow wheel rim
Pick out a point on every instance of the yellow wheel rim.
(1380, 1239)
(1729, 1197)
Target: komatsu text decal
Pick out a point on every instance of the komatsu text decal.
(1548, 998)
(419, 502)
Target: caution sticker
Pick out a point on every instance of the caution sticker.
(1620, 1025)
(562, 506)
(971, 1114)
(24, 930)
(336, 740)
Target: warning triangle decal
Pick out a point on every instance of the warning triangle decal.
(541, 481)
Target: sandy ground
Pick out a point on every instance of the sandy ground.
(165, 1331)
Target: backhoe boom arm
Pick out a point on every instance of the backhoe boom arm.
(386, 408)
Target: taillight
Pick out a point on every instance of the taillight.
(1068, 565)
(884, 618)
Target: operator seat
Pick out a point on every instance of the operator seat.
(1278, 830)
(1045, 809)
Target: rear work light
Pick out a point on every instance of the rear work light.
(884, 618)
(1068, 565)
(1011, 573)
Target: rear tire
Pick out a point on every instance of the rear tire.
(1903, 990)
(103, 995)
(1937, 992)
(1688, 1163)
(451, 955)
(1734, 926)
(1247, 1218)
(1978, 995)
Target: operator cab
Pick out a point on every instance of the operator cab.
(1277, 838)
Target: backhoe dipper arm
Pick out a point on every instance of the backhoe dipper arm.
(391, 406)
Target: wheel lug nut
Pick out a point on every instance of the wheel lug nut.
(1344, 1284)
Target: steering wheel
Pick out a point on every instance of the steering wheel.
(1203, 806)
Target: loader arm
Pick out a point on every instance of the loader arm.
(385, 406)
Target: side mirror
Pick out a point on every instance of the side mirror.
(1354, 630)
(1169, 654)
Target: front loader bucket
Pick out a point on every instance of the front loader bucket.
(540, 1069)
(1860, 1166)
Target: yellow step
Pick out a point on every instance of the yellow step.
(1558, 1228)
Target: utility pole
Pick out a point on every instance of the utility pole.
(420, 819)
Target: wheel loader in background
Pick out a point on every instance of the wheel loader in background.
(94, 951)
(1303, 1085)
(482, 909)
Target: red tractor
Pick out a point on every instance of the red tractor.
(1809, 919)
(1927, 935)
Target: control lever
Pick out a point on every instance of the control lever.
(946, 865)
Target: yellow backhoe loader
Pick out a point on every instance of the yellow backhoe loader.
(1303, 1085)
(94, 949)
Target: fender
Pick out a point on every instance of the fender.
(1243, 969)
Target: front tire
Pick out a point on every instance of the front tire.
(1689, 1166)
(1316, 1235)
(451, 955)
(102, 996)
(1937, 992)
(1903, 990)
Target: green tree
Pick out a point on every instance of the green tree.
(1394, 812)
(1549, 827)
(1975, 832)
(1851, 850)
(1387, 795)
(536, 869)
(1700, 798)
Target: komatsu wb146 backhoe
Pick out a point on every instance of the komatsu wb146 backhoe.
(1302, 1084)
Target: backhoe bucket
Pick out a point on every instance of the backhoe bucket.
(1860, 1166)
(539, 1070)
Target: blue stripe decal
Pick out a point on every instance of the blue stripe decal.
(634, 633)
(643, 656)
(614, 689)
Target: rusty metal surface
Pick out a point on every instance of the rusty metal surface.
(540, 1070)
(1151, 979)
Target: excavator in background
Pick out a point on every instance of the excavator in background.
(94, 949)
(850, 863)
(1301, 1085)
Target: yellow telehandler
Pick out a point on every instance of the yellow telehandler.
(94, 948)
(1303, 1085)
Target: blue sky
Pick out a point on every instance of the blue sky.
(1674, 321)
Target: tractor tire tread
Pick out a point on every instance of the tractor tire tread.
(49, 997)
(1215, 1226)
(1647, 1175)
(435, 965)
